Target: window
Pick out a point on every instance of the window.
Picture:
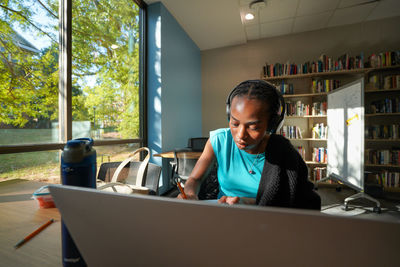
(88, 83)
(105, 69)
(28, 73)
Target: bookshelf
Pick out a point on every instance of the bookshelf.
(377, 88)
(309, 83)
(382, 123)
(310, 117)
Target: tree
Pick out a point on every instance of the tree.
(105, 64)
(109, 34)
(28, 79)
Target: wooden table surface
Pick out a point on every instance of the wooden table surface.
(19, 216)
(188, 154)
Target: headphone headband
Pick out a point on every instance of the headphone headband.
(276, 118)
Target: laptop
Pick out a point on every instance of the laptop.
(112, 229)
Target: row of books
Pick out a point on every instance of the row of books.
(323, 64)
(302, 152)
(291, 132)
(384, 59)
(382, 157)
(387, 105)
(386, 178)
(382, 131)
(320, 131)
(299, 108)
(320, 86)
(285, 88)
(385, 82)
(391, 179)
(320, 154)
(327, 64)
(319, 173)
(391, 82)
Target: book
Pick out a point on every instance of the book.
(322, 64)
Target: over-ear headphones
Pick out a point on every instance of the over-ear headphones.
(277, 108)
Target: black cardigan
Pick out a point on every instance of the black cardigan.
(284, 181)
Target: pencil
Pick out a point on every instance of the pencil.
(181, 189)
(34, 233)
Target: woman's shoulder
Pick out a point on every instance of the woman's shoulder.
(220, 139)
(277, 140)
(220, 133)
(280, 148)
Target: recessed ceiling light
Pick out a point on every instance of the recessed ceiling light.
(249, 16)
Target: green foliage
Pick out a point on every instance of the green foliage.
(105, 64)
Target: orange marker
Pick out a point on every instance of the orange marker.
(181, 189)
(30, 236)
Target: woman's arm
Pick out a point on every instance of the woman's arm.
(192, 185)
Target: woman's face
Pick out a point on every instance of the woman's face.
(248, 123)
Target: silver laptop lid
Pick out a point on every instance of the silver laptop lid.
(112, 229)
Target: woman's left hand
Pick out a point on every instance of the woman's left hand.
(229, 200)
(237, 200)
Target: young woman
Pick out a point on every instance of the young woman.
(255, 166)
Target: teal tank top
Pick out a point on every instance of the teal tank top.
(234, 165)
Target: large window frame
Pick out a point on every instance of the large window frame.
(65, 86)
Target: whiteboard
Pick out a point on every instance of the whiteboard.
(346, 135)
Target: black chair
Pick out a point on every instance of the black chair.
(209, 187)
(150, 180)
(197, 143)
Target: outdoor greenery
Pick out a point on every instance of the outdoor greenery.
(45, 166)
(105, 55)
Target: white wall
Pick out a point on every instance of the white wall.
(223, 68)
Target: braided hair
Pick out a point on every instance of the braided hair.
(260, 90)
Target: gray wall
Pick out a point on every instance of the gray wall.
(223, 68)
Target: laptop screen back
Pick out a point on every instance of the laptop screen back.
(135, 230)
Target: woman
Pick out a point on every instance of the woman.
(255, 166)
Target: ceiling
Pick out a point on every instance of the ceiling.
(219, 23)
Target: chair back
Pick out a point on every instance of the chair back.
(182, 165)
(209, 188)
(197, 143)
(129, 171)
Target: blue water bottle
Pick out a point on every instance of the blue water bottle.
(78, 168)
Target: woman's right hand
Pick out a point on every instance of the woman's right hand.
(192, 184)
(188, 196)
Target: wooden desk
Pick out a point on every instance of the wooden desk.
(19, 216)
(188, 154)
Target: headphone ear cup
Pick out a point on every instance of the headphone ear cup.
(279, 125)
(228, 104)
(273, 121)
(228, 111)
(276, 120)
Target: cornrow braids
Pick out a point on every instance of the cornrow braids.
(260, 90)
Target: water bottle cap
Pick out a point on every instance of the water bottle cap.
(77, 150)
(75, 143)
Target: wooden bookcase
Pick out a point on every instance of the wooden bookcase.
(303, 91)
(382, 128)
